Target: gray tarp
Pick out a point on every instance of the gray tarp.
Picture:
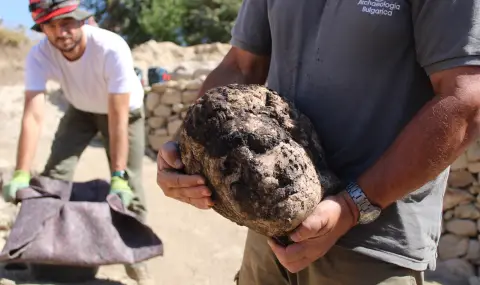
(78, 224)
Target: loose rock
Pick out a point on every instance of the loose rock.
(468, 211)
(460, 267)
(451, 246)
(473, 251)
(454, 197)
(460, 163)
(473, 152)
(462, 227)
(171, 96)
(460, 178)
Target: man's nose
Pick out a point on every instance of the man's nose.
(61, 31)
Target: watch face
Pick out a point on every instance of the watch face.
(369, 216)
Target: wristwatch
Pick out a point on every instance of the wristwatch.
(120, 173)
(367, 211)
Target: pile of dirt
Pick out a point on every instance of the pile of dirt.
(171, 56)
(14, 47)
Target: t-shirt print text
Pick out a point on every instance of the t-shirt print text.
(378, 7)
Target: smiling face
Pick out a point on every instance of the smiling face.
(65, 34)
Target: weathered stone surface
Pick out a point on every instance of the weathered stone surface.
(454, 197)
(460, 267)
(468, 211)
(260, 156)
(182, 73)
(161, 132)
(451, 246)
(171, 96)
(156, 141)
(460, 178)
(160, 87)
(156, 122)
(189, 96)
(194, 85)
(448, 215)
(162, 111)
(173, 126)
(473, 152)
(462, 227)
(460, 163)
(450, 272)
(473, 251)
(474, 167)
(152, 101)
(201, 72)
(182, 84)
(475, 189)
(177, 108)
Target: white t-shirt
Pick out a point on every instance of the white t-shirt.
(105, 67)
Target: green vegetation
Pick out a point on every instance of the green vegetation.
(180, 21)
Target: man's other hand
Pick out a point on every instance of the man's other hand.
(331, 219)
(190, 189)
(120, 187)
(20, 180)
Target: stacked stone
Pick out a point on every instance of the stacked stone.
(459, 246)
(166, 105)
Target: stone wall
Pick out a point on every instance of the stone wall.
(166, 104)
(459, 248)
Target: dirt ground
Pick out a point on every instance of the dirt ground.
(201, 247)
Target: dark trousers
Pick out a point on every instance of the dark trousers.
(338, 266)
(77, 129)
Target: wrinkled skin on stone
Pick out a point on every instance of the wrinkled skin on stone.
(260, 156)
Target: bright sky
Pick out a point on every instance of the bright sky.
(15, 12)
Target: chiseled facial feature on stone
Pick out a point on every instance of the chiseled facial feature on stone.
(260, 156)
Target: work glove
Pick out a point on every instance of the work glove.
(20, 180)
(119, 186)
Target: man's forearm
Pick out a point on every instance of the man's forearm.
(118, 134)
(436, 136)
(224, 75)
(27, 143)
